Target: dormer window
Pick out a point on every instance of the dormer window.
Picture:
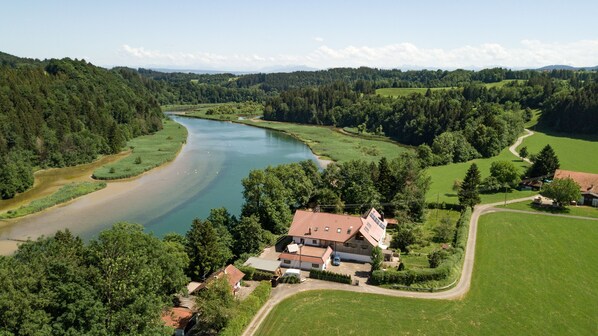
(338, 230)
(326, 228)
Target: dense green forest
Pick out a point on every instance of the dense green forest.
(58, 113)
(64, 112)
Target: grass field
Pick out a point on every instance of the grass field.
(64, 194)
(573, 151)
(402, 92)
(443, 178)
(148, 151)
(584, 211)
(502, 83)
(525, 282)
(329, 143)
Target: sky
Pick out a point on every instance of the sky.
(258, 35)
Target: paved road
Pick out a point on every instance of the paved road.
(283, 291)
(513, 148)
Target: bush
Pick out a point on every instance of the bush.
(138, 160)
(253, 274)
(437, 257)
(247, 309)
(441, 272)
(330, 276)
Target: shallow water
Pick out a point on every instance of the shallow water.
(206, 174)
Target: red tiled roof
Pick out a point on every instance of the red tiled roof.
(338, 228)
(315, 255)
(588, 182)
(325, 226)
(233, 274)
(177, 317)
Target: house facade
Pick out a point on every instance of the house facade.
(588, 184)
(232, 275)
(349, 237)
(306, 257)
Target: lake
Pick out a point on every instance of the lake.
(206, 174)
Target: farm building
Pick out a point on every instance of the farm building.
(349, 237)
(588, 185)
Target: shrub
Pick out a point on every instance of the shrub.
(253, 274)
(138, 160)
(441, 272)
(112, 170)
(330, 276)
(247, 309)
(437, 257)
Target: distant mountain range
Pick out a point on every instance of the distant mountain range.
(272, 69)
(565, 67)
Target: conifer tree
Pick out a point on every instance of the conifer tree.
(468, 193)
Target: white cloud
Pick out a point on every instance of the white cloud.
(319, 39)
(529, 53)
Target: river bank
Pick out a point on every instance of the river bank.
(48, 182)
(206, 174)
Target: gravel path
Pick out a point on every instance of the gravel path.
(513, 148)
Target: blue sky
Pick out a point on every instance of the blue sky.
(250, 35)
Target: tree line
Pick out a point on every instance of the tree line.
(60, 113)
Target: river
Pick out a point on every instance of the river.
(206, 174)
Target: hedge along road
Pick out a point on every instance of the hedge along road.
(284, 291)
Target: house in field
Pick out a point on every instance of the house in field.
(588, 185)
(349, 237)
(305, 257)
(232, 274)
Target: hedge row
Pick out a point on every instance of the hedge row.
(247, 309)
(441, 272)
(330, 276)
(253, 274)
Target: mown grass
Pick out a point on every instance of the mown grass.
(147, 152)
(525, 282)
(443, 178)
(575, 152)
(62, 195)
(582, 210)
(330, 143)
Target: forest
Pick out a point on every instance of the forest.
(60, 113)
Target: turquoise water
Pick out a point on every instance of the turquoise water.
(234, 150)
(206, 174)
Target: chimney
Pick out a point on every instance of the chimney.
(309, 232)
(349, 230)
(382, 216)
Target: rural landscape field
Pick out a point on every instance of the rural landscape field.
(298, 168)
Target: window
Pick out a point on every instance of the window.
(286, 261)
(314, 241)
(315, 266)
(326, 228)
(338, 230)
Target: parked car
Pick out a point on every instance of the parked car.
(336, 260)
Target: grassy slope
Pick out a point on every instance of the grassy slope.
(524, 283)
(154, 150)
(584, 211)
(443, 178)
(329, 143)
(573, 151)
(64, 194)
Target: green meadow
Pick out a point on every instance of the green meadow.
(583, 211)
(330, 143)
(575, 152)
(443, 178)
(525, 282)
(147, 152)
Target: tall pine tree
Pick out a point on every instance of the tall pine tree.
(545, 163)
(468, 193)
(207, 251)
